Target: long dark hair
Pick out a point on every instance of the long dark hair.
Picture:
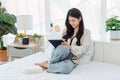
(70, 31)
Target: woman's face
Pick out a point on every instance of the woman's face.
(74, 22)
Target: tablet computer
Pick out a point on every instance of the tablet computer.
(55, 43)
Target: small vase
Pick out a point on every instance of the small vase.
(37, 39)
(20, 40)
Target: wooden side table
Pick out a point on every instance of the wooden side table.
(17, 50)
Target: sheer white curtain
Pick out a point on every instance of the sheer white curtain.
(36, 8)
(94, 13)
(45, 12)
(113, 8)
(91, 10)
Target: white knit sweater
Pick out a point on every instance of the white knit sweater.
(79, 50)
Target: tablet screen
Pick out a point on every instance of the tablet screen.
(55, 43)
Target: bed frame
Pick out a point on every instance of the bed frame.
(108, 52)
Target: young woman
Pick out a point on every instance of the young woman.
(76, 41)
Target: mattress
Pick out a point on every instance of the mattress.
(89, 71)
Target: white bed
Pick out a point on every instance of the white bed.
(92, 70)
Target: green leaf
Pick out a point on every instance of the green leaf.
(7, 25)
(8, 18)
(112, 23)
(5, 29)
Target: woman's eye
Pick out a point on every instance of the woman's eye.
(72, 21)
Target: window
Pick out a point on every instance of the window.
(45, 12)
(113, 8)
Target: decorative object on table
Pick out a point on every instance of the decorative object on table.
(113, 25)
(51, 27)
(25, 40)
(24, 22)
(36, 37)
(20, 40)
(57, 28)
(7, 25)
(20, 37)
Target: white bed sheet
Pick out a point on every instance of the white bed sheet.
(88, 71)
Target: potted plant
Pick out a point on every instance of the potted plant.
(20, 36)
(7, 25)
(113, 25)
(36, 37)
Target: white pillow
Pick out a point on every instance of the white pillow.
(32, 69)
(87, 56)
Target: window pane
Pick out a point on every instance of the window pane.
(113, 8)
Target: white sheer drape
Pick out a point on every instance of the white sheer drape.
(113, 8)
(45, 12)
(89, 8)
(94, 13)
(36, 8)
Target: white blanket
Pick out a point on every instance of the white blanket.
(89, 71)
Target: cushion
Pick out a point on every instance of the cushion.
(87, 56)
(32, 69)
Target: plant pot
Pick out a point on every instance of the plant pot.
(20, 40)
(3, 56)
(25, 41)
(36, 39)
(115, 34)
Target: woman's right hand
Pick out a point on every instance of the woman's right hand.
(63, 39)
(66, 43)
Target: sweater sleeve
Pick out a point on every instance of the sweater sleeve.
(85, 42)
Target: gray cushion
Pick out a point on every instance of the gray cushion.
(87, 56)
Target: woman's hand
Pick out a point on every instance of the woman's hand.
(66, 43)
